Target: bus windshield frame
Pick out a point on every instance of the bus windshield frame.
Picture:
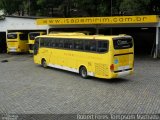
(12, 36)
(122, 43)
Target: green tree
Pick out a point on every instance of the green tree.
(79, 8)
(134, 7)
(13, 6)
(154, 7)
(7, 7)
(48, 7)
(93, 7)
(116, 7)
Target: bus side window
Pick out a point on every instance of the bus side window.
(56, 42)
(93, 45)
(49, 42)
(42, 42)
(87, 45)
(61, 45)
(46, 42)
(102, 46)
(53, 42)
(23, 37)
(68, 43)
(90, 45)
(78, 44)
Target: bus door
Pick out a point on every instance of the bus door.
(123, 54)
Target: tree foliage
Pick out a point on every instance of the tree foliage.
(134, 7)
(78, 8)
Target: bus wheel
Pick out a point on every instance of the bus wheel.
(44, 63)
(83, 72)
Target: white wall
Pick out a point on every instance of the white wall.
(15, 23)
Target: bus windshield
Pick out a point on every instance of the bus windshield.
(122, 43)
(33, 35)
(12, 36)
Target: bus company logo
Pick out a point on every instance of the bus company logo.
(120, 42)
(99, 20)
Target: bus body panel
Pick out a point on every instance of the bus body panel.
(31, 38)
(73, 60)
(97, 64)
(23, 45)
(16, 44)
(12, 45)
(123, 59)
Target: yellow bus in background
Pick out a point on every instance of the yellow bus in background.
(89, 55)
(17, 42)
(31, 37)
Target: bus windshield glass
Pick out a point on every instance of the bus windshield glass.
(33, 35)
(12, 36)
(122, 43)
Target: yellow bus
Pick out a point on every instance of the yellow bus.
(89, 55)
(31, 37)
(17, 42)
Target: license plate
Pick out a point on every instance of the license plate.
(123, 67)
(12, 49)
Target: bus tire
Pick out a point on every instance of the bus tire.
(44, 63)
(83, 72)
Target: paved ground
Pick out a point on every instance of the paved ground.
(29, 88)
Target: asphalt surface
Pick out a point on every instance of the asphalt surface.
(28, 88)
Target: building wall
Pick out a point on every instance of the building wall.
(16, 23)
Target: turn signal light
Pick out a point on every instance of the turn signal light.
(112, 67)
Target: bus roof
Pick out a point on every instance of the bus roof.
(65, 33)
(37, 32)
(15, 33)
(83, 36)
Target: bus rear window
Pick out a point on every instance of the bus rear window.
(122, 43)
(103, 46)
(11, 36)
(33, 35)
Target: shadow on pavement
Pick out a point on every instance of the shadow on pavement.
(111, 81)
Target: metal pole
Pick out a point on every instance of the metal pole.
(29, 7)
(111, 7)
(97, 30)
(111, 15)
(157, 40)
